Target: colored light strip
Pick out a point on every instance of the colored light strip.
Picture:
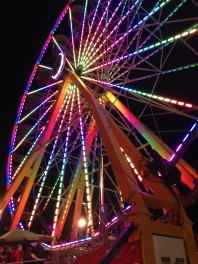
(141, 45)
(102, 33)
(45, 87)
(90, 29)
(101, 54)
(64, 161)
(187, 136)
(67, 245)
(63, 60)
(67, 140)
(72, 37)
(114, 70)
(156, 97)
(135, 171)
(12, 208)
(36, 108)
(180, 68)
(8, 173)
(96, 31)
(44, 176)
(82, 32)
(85, 165)
(143, 21)
(160, 43)
(45, 67)
(60, 68)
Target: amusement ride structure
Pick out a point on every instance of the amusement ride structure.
(98, 135)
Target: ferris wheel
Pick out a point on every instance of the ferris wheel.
(103, 96)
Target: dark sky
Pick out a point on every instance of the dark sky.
(25, 27)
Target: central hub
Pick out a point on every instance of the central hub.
(79, 70)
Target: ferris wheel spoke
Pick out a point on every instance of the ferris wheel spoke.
(104, 32)
(129, 31)
(157, 25)
(94, 40)
(85, 48)
(82, 30)
(72, 38)
(157, 47)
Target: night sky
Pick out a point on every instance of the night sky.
(24, 29)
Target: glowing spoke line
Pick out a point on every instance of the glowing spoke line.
(72, 182)
(45, 67)
(28, 153)
(134, 169)
(180, 68)
(156, 97)
(45, 87)
(39, 120)
(70, 193)
(73, 146)
(113, 70)
(64, 162)
(75, 178)
(160, 44)
(63, 55)
(82, 32)
(52, 191)
(85, 165)
(142, 61)
(58, 46)
(98, 27)
(143, 21)
(103, 30)
(163, 22)
(150, 35)
(11, 203)
(90, 29)
(194, 126)
(72, 36)
(113, 30)
(36, 108)
(109, 35)
(148, 56)
(45, 174)
(92, 124)
(51, 160)
(116, 68)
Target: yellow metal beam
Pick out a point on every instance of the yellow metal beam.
(31, 166)
(119, 164)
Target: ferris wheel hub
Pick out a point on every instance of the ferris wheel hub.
(79, 70)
